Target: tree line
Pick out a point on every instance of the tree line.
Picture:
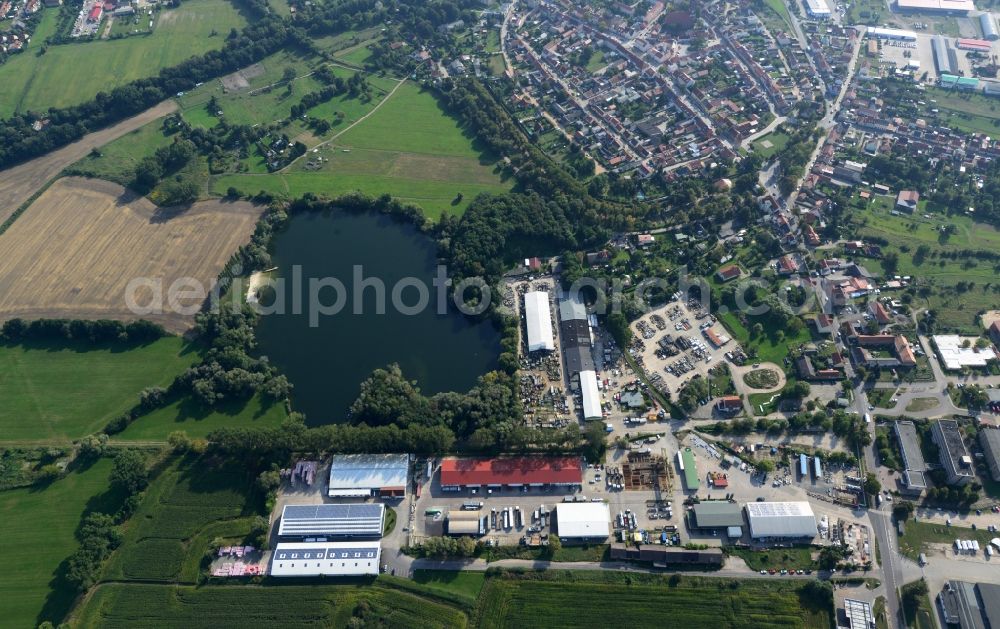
(100, 331)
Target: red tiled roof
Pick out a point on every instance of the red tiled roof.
(525, 470)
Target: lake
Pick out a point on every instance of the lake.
(327, 356)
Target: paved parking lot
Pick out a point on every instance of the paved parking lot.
(921, 51)
(672, 344)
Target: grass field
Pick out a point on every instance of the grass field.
(197, 422)
(184, 500)
(882, 398)
(921, 615)
(74, 252)
(918, 534)
(969, 112)
(63, 391)
(38, 528)
(777, 558)
(771, 143)
(409, 148)
(355, 55)
(768, 346)
(117, 161)
(292, 606)
(73, 73)
(955, 310)
(620, 600)
(463, 583)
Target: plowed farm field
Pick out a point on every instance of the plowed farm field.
(77, 249)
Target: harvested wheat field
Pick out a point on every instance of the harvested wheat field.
(19, 183)
(73, 253)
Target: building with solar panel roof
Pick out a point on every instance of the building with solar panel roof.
(332, 521)
(325, 559)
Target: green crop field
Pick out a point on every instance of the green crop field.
(409, 148)
(167, 532)
(292, 606)
(38, 528)
(197, 421)
(618, 600)
(63, 391)
(69, 74)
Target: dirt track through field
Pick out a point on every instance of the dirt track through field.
(76, 248)
(19, 183)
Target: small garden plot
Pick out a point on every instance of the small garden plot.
(761, 379)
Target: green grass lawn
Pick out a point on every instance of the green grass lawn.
(917, 534)
(463, 583)
(255, 104)
(38, 528)
(609, 599)
(355, 55)
(882, 398)
(69, 74)
(493, 41)
(190, 417)
(921, 615)
(771, 143)
(63, 391)
(596, 62)
(769, 347)
(799, 558)
(763, 403)
(865, 12)
(409, 148)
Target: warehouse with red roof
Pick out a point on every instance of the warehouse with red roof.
(530, 471)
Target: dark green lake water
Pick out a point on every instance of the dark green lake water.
(327, 363)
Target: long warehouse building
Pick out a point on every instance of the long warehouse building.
(332, 520)
(538, 318)
(522, 471)
(773, 520)
(326, 559)
(591, 396)
(818, 8)
(989, 26)
(942, 58)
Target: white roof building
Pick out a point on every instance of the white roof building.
(363, 475)
(591, 395)
(818, 8)
(891, 33)
(781, 519)
(954, 356)
(326, 559)
(583, 520)
(539, 320)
